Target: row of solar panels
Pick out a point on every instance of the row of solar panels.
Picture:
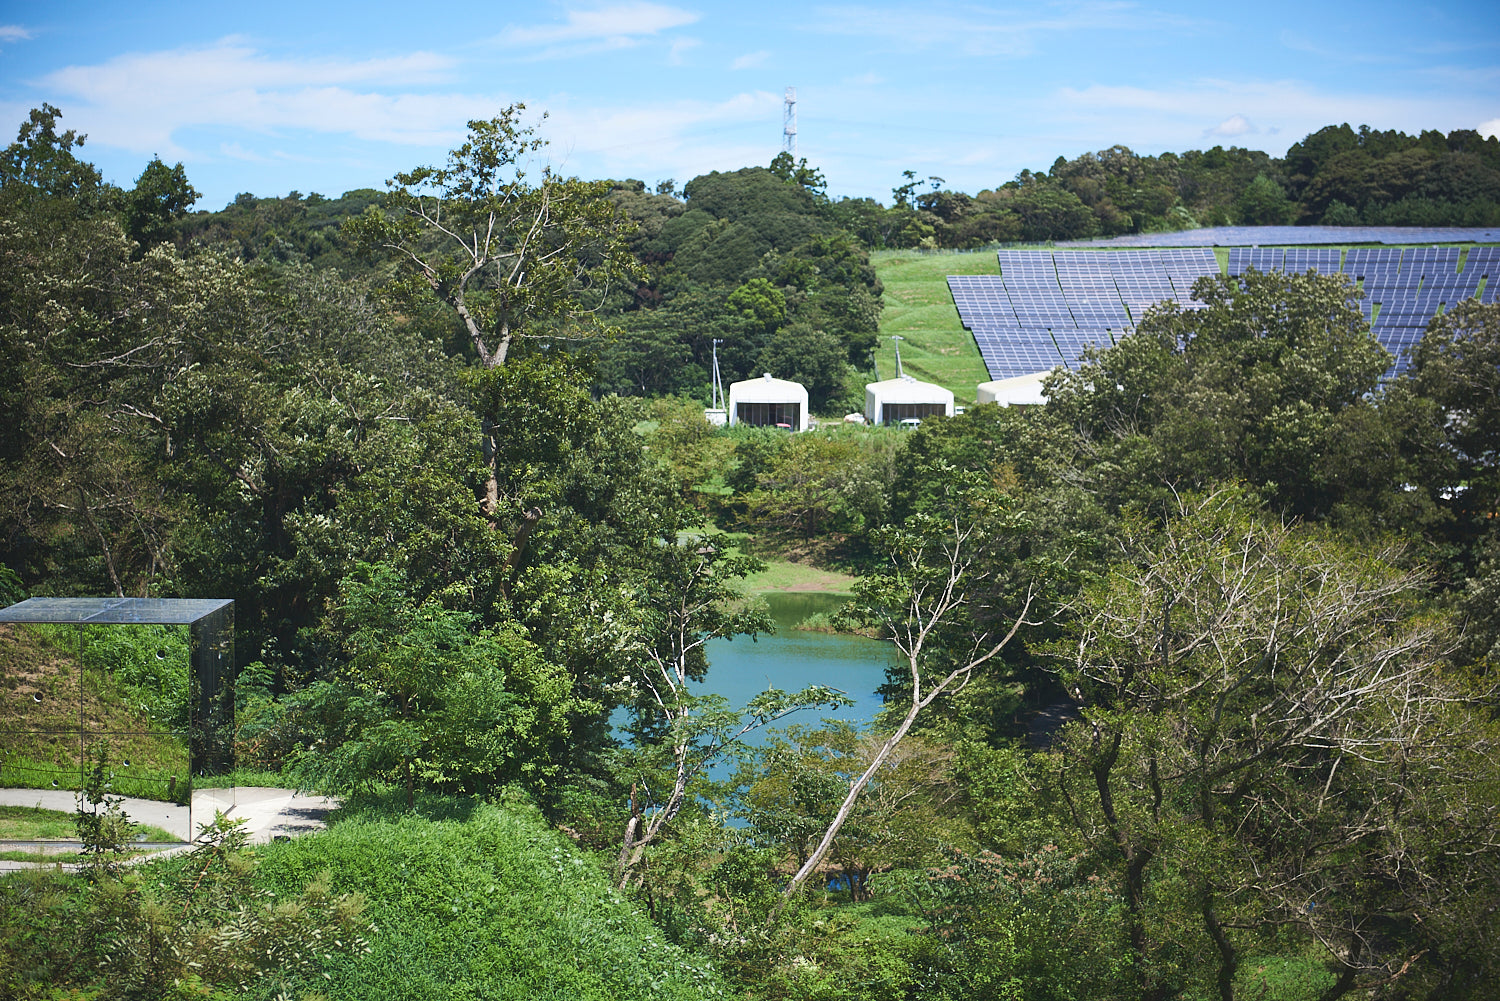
(1045, 306)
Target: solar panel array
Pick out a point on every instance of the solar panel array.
(1045, 308)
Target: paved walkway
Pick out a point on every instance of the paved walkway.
(268, 813)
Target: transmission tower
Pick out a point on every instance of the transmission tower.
(789, 124)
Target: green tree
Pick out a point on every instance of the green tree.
(798, 173)
(1051, 212)
(761, 305)
(947, 596)
(815, 358)
(40, 164)
(512, 258)
(161, 196)
(1457, 366)
(1256, 701)
(793, 786)
(426, 697)
(1273, 382)
(1264, 203)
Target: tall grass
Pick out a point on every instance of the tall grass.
(479, 901)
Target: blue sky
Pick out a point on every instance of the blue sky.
(278, 96)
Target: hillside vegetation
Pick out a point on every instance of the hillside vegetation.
(129, 688)
(1193, 677)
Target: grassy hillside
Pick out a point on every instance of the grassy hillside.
(482, 901)
(935, 346)
(129, 687)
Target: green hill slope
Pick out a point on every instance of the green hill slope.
(488, 904)
(935, 347)
(129, 687)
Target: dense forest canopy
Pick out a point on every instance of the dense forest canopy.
(1253, 588)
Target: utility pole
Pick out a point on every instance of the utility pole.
(897, 338)
(789, 124)
(718, 383)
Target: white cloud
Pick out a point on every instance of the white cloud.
(139, 102)
(1175, 117)
(235, 151)
(1301, 43)
(681, 46)
(614, 26)
(1490, 129)
(987, 31)
(13, 33)
(750, 60)
(670, 138)
(1232, 127)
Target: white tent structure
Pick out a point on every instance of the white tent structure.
(1019, 391)
(768, 402)
(905, 398)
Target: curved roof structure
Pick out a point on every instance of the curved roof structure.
(769, 402)
(903, 397)
(1021, 390)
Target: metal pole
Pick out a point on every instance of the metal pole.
(82, 756)
(718, 390)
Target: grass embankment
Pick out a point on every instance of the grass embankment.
(935, 347)
(32, 823)
(52, 703)
(785, 575)
(481, 901)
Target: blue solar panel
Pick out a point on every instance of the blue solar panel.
(1073, 343)
(1360, 261)
(1286, 236)
(1430, 262)
(1009, 353)
(1325, 260)
(1263, 259)
(1045, 308)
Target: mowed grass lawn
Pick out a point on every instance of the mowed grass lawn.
(935, 347)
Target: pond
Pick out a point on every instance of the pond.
(793, 658)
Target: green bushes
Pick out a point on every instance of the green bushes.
(491, 904)
(482, 902)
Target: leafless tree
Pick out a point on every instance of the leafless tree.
(938, 603)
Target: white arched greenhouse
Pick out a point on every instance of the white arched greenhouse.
(1019, 391)
(904, 398)
(768, 402)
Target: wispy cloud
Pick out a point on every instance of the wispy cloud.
(654, 139)
(1464, 76)
(750, 60)
(139, 102)
(13, 33)
(615, 26)
(988, 31)
(1301, 43)
(235, 151)
(681, 47)
(1174, 116)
